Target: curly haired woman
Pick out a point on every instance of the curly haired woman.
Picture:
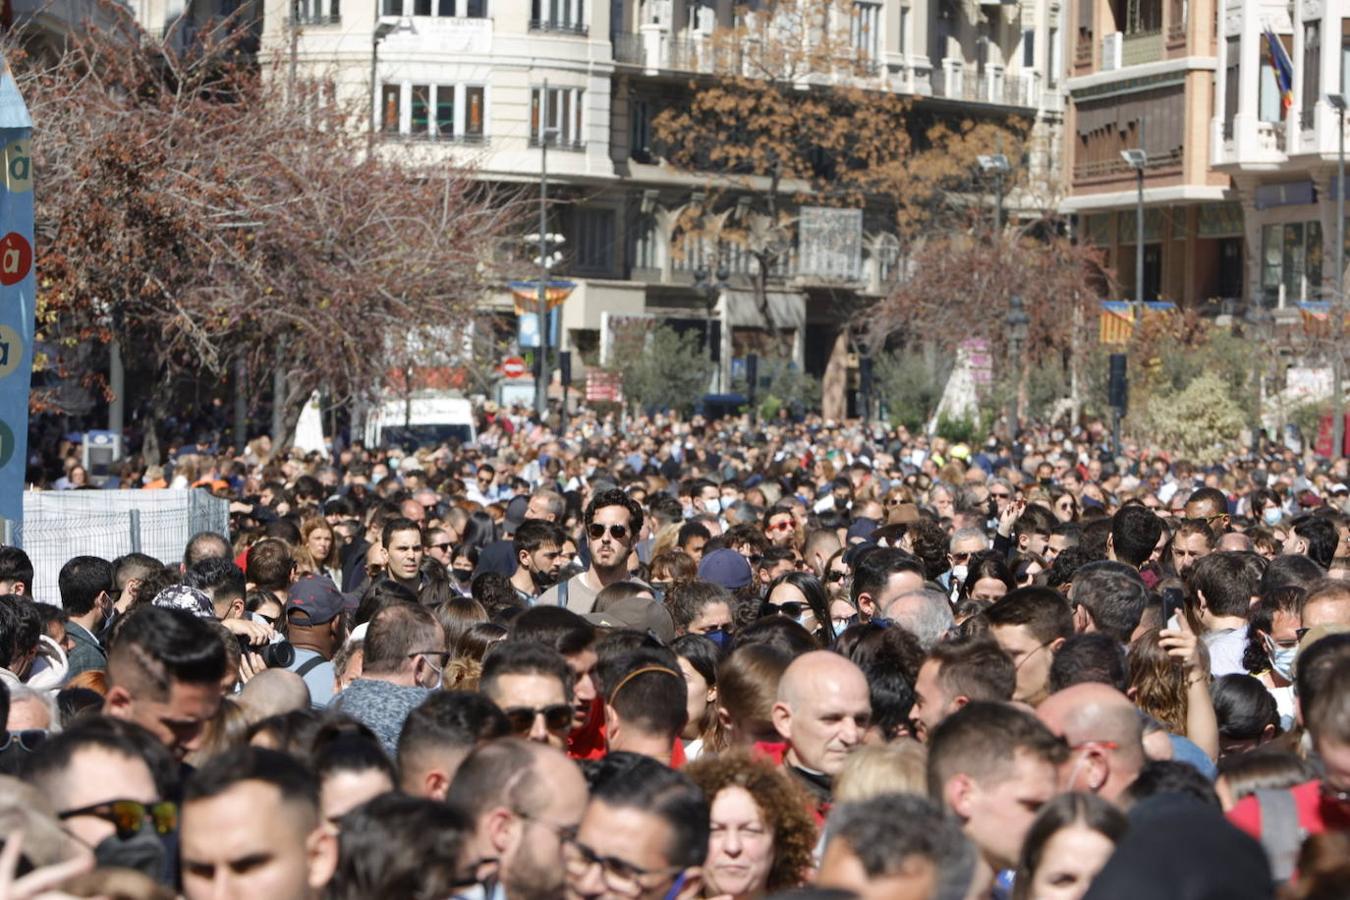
(762, 832)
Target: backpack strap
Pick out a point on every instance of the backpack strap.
(310, 665)
(1281, 835)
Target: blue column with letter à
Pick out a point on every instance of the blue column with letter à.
(17, 293)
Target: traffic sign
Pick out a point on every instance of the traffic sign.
(514, 367)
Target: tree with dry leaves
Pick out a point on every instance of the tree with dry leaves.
(792, 113)
(960, 287)
(210, 218)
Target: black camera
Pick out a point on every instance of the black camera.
(280, 655)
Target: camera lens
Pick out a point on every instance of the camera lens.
(279, 655)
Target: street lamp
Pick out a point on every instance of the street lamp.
(710, 289)
(997, 165)
(1337, 102)
(1017, 321)
(383, 28)
(1136, 159)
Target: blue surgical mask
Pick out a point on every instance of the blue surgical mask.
(719, 637)
(1272, 516)
(1281, 658)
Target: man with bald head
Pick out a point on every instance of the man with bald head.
(822, 712)
(1327, 603)
(273, 692)
(1104, 734)
(1234, 542)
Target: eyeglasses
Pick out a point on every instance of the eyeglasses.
(960, 557)
(792, 609)
(27, 740)
(597, 531)
(443, 654)
(620, 876)
(835, 575)
(130, 816)
(1000, 496)
(780, 526)
(441, 547)
(557, 718)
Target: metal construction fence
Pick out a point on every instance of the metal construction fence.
(59, 525)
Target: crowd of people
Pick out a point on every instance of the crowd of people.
(677, 659)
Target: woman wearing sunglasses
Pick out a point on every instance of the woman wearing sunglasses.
(801, 597)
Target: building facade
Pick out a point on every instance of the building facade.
(468, 81)
(1142, 76)
(1283, 161)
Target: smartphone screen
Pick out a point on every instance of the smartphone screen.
(1172, 600)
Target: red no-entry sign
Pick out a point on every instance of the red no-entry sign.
(513, 367)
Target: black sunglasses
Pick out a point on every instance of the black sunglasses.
(835, 575)
(792, 609)
(129, 816)
(557, 718)
(597, 531)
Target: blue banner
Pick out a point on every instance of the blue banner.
(17, 288)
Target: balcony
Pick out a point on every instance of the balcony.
(1002, 90)
(315, 19)
(628, 49)
(555, 27)
(1141, 47)
(575, 146)
(1269, 137)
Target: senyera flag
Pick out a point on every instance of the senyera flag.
(17, 283)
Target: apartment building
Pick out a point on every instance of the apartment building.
(465, 81)
(1283, 162)
(1141, 76)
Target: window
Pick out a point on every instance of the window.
(866, 30)
(314, 12)
(473, 118)
(1312, 62)
(593, 240)
(1056, 58)
(640, 131)
(904, 30)
(445, 8)
(561, 114)
(475, 9)
(421, 7)
(421, 109)
(1232, 80)
(1029, 49)
(391, 7)
(557, 15)
(445, 111)
(389, 108)
(1291, 261)
(1270, 104)
(1345, 60)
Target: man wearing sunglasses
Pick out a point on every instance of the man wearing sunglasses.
(532, 684)
(613, 520)
(99, 783)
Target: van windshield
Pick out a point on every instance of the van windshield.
(410, 437)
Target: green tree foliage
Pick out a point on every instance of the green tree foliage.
(661, 367)
(1202, 421)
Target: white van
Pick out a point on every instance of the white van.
(425, 420)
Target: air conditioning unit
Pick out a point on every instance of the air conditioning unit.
(1112, 46)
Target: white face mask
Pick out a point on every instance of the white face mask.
(1272, 516)
(713, 506)
(1281, 658)
(959, 573)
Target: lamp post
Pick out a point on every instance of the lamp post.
(1136, 159)
(704, 283)
(1337, 102)
(545, 260)
(382, 31)
(997, 165)
(1017, 321)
